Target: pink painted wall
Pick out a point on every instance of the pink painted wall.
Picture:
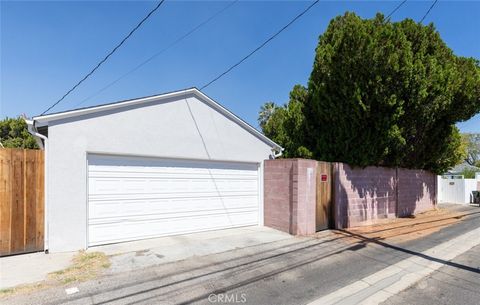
(304, 191)
(362, 196)
(278, 195)
(416, 191)
(290, 195)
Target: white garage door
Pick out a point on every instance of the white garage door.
(135, 198)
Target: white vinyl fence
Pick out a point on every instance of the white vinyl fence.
(456, 190)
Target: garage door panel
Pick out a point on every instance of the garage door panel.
(231, 218)
(116, 208)
(122, 171)
(172, 195)
(131, 230)
(129, 164)
(99, 186)
(133, 198)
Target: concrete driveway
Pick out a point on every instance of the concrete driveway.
(149, 252)
(30, 268)
(34, 267)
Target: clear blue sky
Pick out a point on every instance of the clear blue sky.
(46, 47)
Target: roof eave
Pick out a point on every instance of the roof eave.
(45, 119)
(78, 112)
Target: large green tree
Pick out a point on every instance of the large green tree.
(14, 134)
(286, 124)
(389, 94)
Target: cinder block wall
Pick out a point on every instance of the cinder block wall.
(290, 195)
(304, 195)
(278, 194)
(363, 195)
(417, 191)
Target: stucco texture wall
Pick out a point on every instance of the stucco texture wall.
(185, 128)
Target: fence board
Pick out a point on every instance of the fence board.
(5, 200)
(324, 196)
(22, 202)
(18, 203)
(40, 200)
(30, 202)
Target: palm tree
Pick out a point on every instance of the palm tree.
(265, 113)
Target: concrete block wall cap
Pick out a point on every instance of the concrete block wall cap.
(293, 159)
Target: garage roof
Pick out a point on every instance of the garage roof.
(43, 120)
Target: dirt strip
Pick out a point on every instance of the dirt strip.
(405, 229)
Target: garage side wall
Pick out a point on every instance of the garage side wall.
(178, 129)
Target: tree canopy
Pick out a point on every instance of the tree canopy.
(14, 134)
(286, 125)
(265, 113)
(472, 142)
(381, 93)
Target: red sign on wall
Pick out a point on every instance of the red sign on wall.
(324, 178)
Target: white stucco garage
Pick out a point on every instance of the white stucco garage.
(162, 165)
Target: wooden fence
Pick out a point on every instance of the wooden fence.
(324, 199)
(21, 201)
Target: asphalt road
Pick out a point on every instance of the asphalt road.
(296, 271)
(447, 286)
(308, 283)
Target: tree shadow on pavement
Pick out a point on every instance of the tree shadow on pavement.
(411, 252)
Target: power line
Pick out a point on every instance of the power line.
(395, 9)
(106, 57)
(174, 43)
(260, 46)
(426, 14)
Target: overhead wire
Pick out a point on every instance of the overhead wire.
(171, 45)
(394, 10)
(178, 40)
(260, 46)
(106, 57)
(428, 12)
